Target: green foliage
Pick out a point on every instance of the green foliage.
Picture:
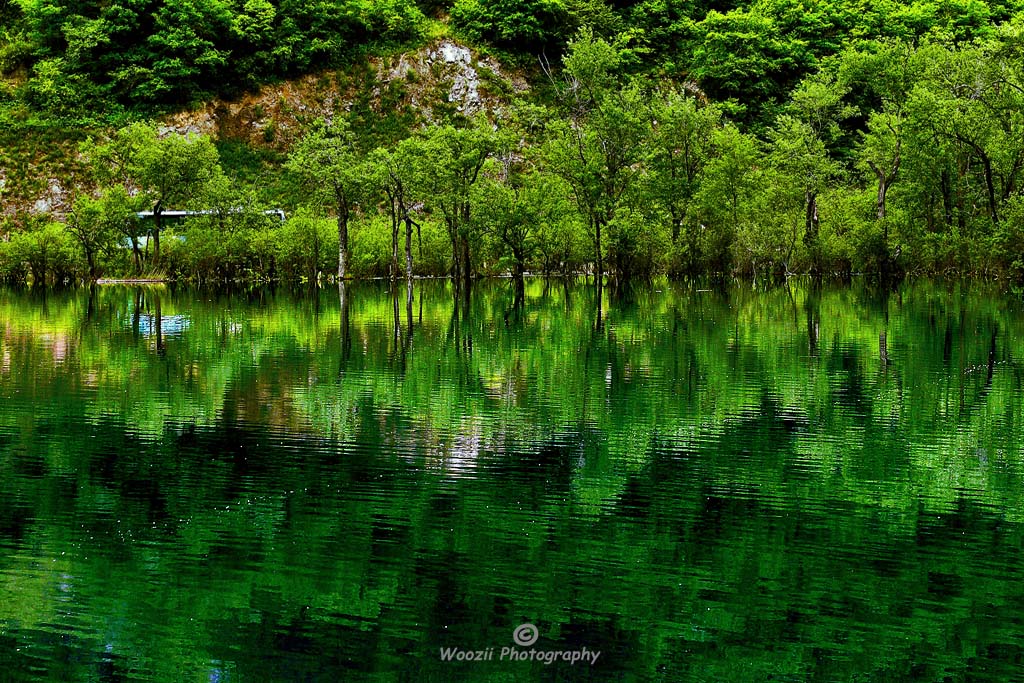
(681, 145)
(97, 225)
(307, 246)
(745, 59)
(169, 172)
(527, 26)
(327, 163)
(451, 162)
(812, 140)
(725, 195)
(44, 252)
(144, 53)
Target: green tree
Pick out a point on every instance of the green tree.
(94, 225)
(327, 162)
(725, 193)
(799, 154)
(681, 144)
(457, 157)
(515, 202)
(399, 175)
(881, 152)
(743, 57)
(168, 171)
(598, 148)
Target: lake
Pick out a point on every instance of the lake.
(793, 483)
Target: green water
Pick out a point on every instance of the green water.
(793, 484)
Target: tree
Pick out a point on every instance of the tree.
(515, 204)
(186, 49)
(167, 171)
(327, 162)
(399, 175)
(681, 144)
(598, 148)
(528, 25)
(743, 57)
(728, 184)
(882, 152)
(97, 225)
(457, 156)
(800, 156)
(800, 140)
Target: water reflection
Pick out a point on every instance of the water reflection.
(804, 482)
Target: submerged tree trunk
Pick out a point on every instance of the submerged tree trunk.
(398, 320)
(159, 328)
(137, 313)
(408, 306)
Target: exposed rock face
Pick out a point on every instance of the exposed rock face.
(440, 77)
(441, 74)
(465, 87)
(54, 200)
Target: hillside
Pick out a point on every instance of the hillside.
(386, 97)
(630, 139)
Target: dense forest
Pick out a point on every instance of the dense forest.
(689, 138)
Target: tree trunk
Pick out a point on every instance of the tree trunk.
(342, 244)
(159, 328)
(884, 181)
(137, 313)
(346, 340)
(456, 272)
(597, 242)
(408, 307)
(408, 250)
(398, 320)
(466, 269)
(991, 188)
(158, 212)
(137, 255)
(811, 219)
(394, 249)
